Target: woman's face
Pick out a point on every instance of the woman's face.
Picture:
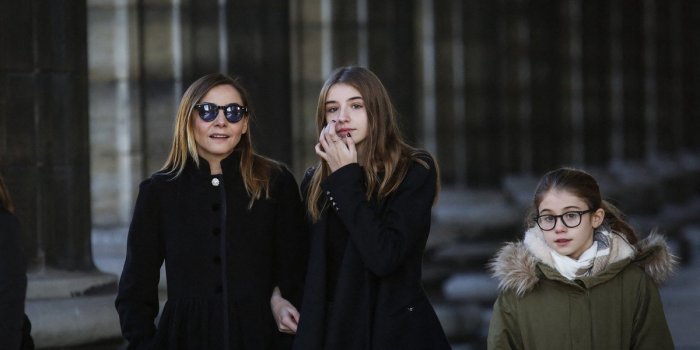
(217, 139)
(345, 105)
(569, 241)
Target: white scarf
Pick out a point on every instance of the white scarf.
(592, 261)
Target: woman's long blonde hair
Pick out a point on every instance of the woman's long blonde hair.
(5, 199)
(384, 149)
(255, 168)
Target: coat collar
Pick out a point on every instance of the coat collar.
(229, 164)
(519, 266)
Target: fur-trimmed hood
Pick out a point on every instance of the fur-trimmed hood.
(515, 265)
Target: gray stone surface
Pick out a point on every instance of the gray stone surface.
(73, 321)
(58, 284)
(475, 287)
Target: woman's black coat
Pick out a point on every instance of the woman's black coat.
(219, 255)
(14, 325)
(379, 301)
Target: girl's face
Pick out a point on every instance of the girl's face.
(345, 106)
(569, 241)
(218, 138)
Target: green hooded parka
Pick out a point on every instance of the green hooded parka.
(618, 308)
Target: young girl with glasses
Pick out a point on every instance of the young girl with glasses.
(229, 226)
(369, 200)
(579, 279)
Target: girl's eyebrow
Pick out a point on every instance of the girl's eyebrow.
(350, 99)
(576, 207)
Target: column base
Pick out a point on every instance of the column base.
(71, 308)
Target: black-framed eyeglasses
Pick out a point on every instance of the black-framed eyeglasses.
(233, 112)
(570, 219)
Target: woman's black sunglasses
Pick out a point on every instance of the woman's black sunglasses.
(233, 112)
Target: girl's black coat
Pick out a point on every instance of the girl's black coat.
(379, 302)
(219, 255)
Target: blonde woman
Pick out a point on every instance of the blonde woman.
(229, 226)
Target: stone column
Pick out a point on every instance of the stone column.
(669, 39)
(596, 69)
(633, 71)
(307, 76)
(448, 74)
(45, 157)
(44, 128)
(393, 57)
(691, 75)
(259, 53)
(160, 76)
(115, 120)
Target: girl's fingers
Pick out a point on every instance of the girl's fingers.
(320, 152)
(331, 131)
(351, 144)
(294, 320)
(326, 138)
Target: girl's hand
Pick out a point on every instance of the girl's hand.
(285, 314)
(336, 150)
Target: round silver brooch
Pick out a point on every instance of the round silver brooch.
(215, 182)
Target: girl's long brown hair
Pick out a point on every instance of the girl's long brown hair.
(583, 185)
(255, 168)
(384, 149)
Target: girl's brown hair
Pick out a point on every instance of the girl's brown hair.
(255, 168)
(583, 185)
(384, 149)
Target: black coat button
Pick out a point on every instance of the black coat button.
(215, 206)
(219, 289)
(216, 231)
(217, 260)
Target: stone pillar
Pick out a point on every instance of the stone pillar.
(259, 53)
(345, 31)
(117, 164)
(482, 76)
(45, 158)
(307, 33)
(393, 57)
(551, 127)
(447, 77)
(44, 128)
(669, 75)
(633, 71)
(691, 75)
(596, 53)
(204, 38)
(160, 76)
